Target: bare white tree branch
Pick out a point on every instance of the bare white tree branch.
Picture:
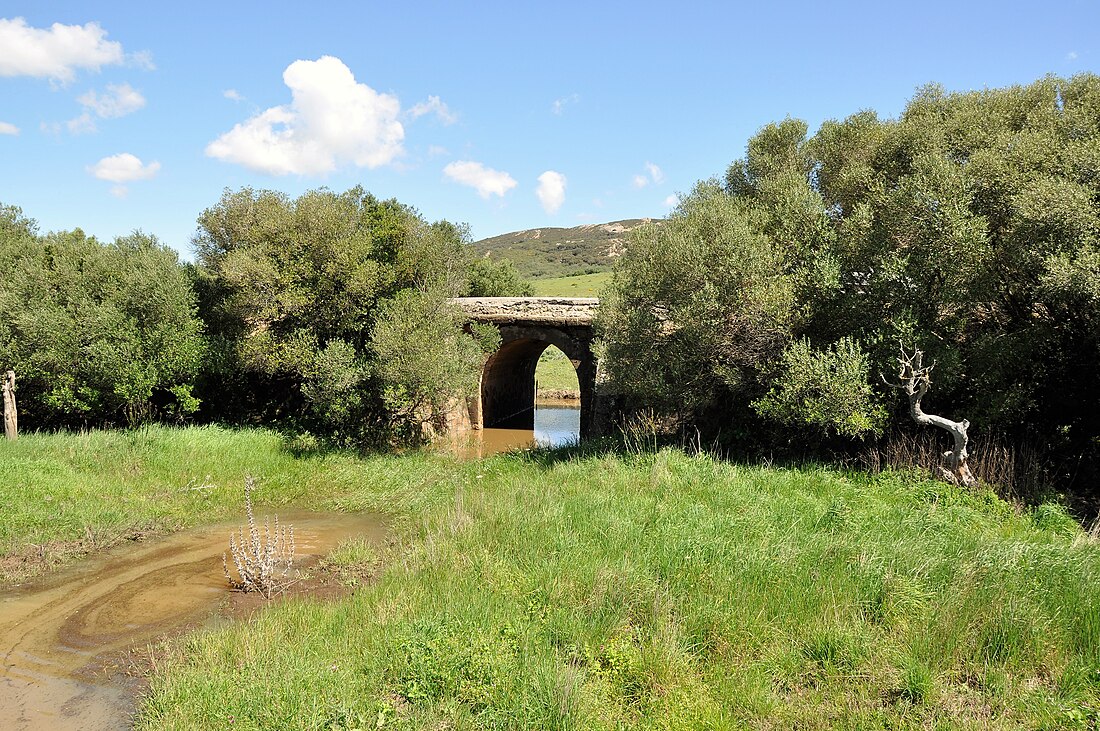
(915, 379)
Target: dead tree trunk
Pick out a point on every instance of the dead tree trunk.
(11, 417)
(916, 378)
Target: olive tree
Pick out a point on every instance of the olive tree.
(97, 333)
(330, 312)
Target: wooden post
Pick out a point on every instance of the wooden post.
(11, 417)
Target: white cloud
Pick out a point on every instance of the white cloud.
(434, 106)
(123, 168)
(55, 53)
(485, 181)
(672, 201)
(7, 128)
(436, 150)
(559, 104)
(639, 181)
(118, 101)
(655, 173)
(332, 120)
(551, 191)
(233, 95)
(78, 125)
(1071, 56)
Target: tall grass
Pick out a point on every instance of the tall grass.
(660, 590)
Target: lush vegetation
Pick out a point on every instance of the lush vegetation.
(968, 227)
(326, 314)
(601, 590)
(331, 311)
(96, 333)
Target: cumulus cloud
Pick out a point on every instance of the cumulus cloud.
(434, 106)
(672, 201)
(655, 173)
(54, 53)
(123, 168)
(233, 95)
(332, 120)
(551, 191)
(7, 128)
(639, 181)
(485, 181)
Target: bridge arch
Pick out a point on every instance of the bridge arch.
(529, 325)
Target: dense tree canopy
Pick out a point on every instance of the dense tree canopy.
(313, 302)
(96, 333)
(969, 226)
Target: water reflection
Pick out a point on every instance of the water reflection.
(557, 423)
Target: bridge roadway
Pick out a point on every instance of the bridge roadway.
(529, 325)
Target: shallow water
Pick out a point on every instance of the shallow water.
(557, 423)
(57, 634)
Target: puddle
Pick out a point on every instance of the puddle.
(57, 634)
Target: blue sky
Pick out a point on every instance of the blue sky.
(123, 116)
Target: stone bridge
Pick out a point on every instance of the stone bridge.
(528, 325)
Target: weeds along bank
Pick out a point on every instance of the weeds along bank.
(559, 590)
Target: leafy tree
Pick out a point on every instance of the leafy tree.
(97, 333)
(829, 389)
(696, 306)
(330, 310)
(496, 279)
(969, 226)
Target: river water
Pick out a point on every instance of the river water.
(557, 423)
(60, 636)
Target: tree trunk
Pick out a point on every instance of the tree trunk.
(916, 379)
(957, 470)
(11, 417)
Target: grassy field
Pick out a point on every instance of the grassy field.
(555, 373)
(562, 590)
(581, 285)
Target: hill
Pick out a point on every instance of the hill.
(562, 252)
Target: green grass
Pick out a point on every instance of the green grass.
(570, 591)
(66, 494)
(555, 372)
(581, 285)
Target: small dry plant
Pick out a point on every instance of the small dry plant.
(262, 563)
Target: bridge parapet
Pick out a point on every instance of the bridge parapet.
(566, 311)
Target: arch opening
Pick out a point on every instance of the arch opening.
(507, 394)
(556, 377)
(508, 384)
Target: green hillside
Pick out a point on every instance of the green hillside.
(540, 253)
(578, 285)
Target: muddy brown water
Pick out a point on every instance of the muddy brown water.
(556, 423)
(58, 635)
